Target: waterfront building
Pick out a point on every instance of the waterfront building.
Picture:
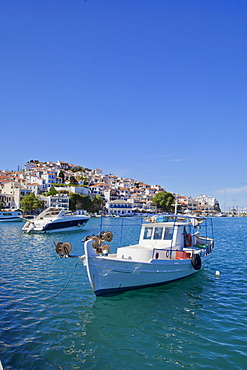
(58, 200)
(6, 201)
(119, 208)
(38, 177)
(82, 190)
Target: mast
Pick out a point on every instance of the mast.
(176, 204)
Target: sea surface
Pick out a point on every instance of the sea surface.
(51, 319)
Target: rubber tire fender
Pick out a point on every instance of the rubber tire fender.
(196, 261)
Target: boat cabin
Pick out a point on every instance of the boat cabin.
(163, 235)
(157, 241)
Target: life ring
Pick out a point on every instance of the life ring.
(196, 261)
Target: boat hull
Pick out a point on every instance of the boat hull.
(11, 216)
(110, 276)
(73, 225)
(11, 219)
(59, 225)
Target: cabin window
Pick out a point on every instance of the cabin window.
(148, 233)
(158, 232)
(168, 233)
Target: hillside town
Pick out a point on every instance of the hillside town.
(120, 196)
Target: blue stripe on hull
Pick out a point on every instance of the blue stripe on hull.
(64, 224)
(10, 219)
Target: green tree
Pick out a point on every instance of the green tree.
(73, 181)
(77, 169)
(30, 203)
(164, 201)
(61, 175)
(79, 201)
(63, 192)
(97, 203)
(52, 191)
(85, 179)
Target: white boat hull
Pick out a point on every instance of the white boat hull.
(11, 216)
(111, 276)
(54, 220)
(55, 230)
(11, 219)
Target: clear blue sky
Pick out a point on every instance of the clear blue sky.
(155, 90)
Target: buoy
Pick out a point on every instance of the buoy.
(217, 273)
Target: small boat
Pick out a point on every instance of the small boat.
(170, 248)
(55, 219)
(11, 216)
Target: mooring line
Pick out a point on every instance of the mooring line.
(66, 282)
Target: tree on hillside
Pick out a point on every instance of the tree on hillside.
(97, 203)
(61, 175)
(73, 181)
(77, 169)
(79, 201)
(52, 191)
(30, 203)
(164, 201)
(84, 179)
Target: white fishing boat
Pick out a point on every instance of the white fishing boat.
(11, 216)
(169, 248)
(55, 219)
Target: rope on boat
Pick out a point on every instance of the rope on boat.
(67, 281)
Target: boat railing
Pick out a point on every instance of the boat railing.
(185, 253)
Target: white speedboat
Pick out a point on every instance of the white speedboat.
(55, 219)
(11, 216)
(168, 250)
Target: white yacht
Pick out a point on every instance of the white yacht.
(55, 219)
(11, 216)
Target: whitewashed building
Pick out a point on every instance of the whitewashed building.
(58, 200)
(119, 207)
(82, 190)
(6, 201)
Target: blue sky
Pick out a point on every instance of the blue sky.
(154, 90)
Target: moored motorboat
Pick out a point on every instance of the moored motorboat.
(55, 219)
(11, 216)
(170, 248)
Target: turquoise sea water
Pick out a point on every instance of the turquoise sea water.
(196, 323)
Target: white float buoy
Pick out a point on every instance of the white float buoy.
(217, 273)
